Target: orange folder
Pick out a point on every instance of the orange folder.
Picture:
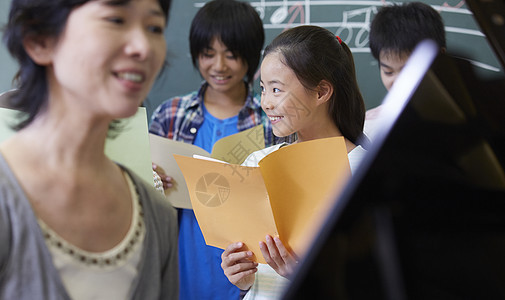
(288, 195)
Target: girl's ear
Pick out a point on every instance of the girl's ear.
(40, 49)
(324, 92)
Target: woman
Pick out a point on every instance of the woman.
(74, 224)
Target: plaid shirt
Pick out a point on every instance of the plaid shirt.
(180, 118)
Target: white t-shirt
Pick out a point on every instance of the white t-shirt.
(372, 122)
(268, 285)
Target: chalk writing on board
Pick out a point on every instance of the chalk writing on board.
(351, 19)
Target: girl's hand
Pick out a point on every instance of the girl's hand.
(237, 267)
(278, 257)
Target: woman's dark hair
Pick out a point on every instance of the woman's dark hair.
(315, 54)
(236, 24)
(38, 18)
(398, 28)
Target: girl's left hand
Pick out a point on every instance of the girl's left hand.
(278, 257)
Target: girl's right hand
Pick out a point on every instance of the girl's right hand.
(237, 267)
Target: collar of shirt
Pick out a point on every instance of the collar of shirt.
(251, 102)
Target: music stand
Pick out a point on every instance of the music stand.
(490, 15)
(424, 215)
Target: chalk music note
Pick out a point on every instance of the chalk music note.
(261, 9)
(459, 5)
(361, 39)
(280, 13)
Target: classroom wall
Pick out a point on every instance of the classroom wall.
(349, 19)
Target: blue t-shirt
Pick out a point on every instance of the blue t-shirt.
(214, 129)
(201, 275)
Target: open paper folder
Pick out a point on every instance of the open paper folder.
(233, 149)
(288, 195)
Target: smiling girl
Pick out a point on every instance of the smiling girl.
(74, 224)
(310, 90)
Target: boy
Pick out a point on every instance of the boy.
(226, 38)
(394, 33)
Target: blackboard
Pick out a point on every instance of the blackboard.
(349, 19)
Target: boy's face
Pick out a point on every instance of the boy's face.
(390, 66)
(223, 71)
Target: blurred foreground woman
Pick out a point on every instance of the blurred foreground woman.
(74, 224)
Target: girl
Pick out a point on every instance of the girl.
(311, 90)
(74, 224)
(226, 38)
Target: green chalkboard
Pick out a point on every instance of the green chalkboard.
(349, 19)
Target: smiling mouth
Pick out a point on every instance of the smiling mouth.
(221, 78)
(131, 76)
(275, 118)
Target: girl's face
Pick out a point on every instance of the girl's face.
(107, 58)
(289, 106)
(223, 71)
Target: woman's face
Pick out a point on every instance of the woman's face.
(108, 55)
(289, 106)
(223, 71)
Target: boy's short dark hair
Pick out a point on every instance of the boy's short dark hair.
(238, 26)
(398, 28)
